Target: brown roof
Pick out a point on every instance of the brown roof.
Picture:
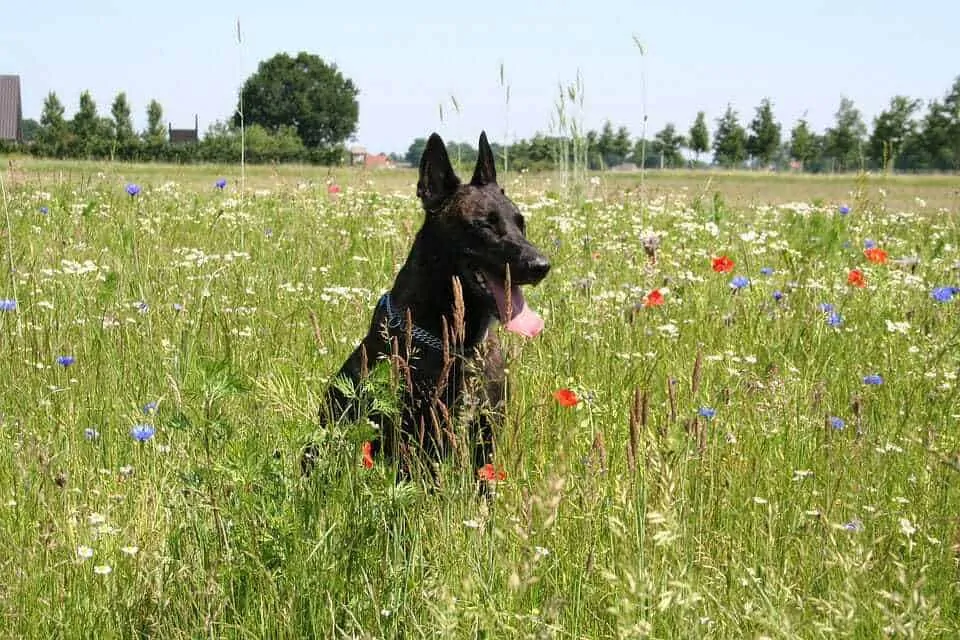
(11, 109)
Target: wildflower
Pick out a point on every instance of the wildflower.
(722, 264)
(133, 190)
(367, 452)
(834, 319)
(707, 412)
(84, 552)
(653, 299)
(855, 525)
(490, 473)
(739, 282)
(844, 209)
(8, 304)
(44, 210)
(767, 271)
(150, 408)
(837, 423)
(907, 528)
(826, 307)
(102, 569)
(142, 432)
(65, 361)
(333, 189)
(778, 295)
(869, 244)
(90, 433)
(177, 307)
(221, 183)
(944, 294)
(875, 255)
(130, 550)
(566, 397)
(873, 379)
(856, 278)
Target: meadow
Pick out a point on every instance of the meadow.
(741, 419)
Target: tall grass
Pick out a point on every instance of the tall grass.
(699, 487)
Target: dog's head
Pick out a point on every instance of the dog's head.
(486, 233)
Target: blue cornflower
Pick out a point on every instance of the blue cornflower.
(837, 423)
(778, 295)
(8, 304)
(834, 319)
(142, 306)
(943, 294)
(739, 282)
(826, 307)
(872, 379)
(133, 190)
(44, 210)
(869, 244)
(844, 209)
(855, 525)
(150, 407)
(767, 271)
(707, 412)
(90, 433)
(65, 361)
(846, 244)
(221, 183)
(142, 432)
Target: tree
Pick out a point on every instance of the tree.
(30, 129)
(934, 144)
(305, 93)
(764, 139)
(699, 135)
(844, 141)
(53, 134)
(730, 140)
(891, 130)
(621, 146)
(155, 133)
(803, 146)
(604, 144)
(123, 134)
(85, 127)
(667, 144)
(415, 151)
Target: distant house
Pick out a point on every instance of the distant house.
(359, 157)
(11, 109)
(180, 136)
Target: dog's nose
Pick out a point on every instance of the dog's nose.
(538, 268)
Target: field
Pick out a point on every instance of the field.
(771, 452)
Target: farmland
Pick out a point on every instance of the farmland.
(768, 447)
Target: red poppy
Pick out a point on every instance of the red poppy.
(367, 454)
(566, 397)
(876, 255)
(653, 299)
(491, 473)
(333, 189)
(722, 264)
(856, 278)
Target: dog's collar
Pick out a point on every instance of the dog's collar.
(395, 321)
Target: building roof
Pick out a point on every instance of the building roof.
(11, 109)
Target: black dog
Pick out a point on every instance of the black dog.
(463, 272)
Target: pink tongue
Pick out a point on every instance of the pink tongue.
(524, 320)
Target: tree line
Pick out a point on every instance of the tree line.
(301, 109)
(903, 137)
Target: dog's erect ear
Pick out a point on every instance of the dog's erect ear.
(437, 177)
(486, 171)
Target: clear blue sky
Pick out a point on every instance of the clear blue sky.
(408, 56)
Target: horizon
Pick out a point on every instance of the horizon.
(712, 55)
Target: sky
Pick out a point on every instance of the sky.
(409, 57)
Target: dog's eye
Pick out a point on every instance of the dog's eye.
(521, 223)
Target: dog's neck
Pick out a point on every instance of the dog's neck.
(424, 285)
